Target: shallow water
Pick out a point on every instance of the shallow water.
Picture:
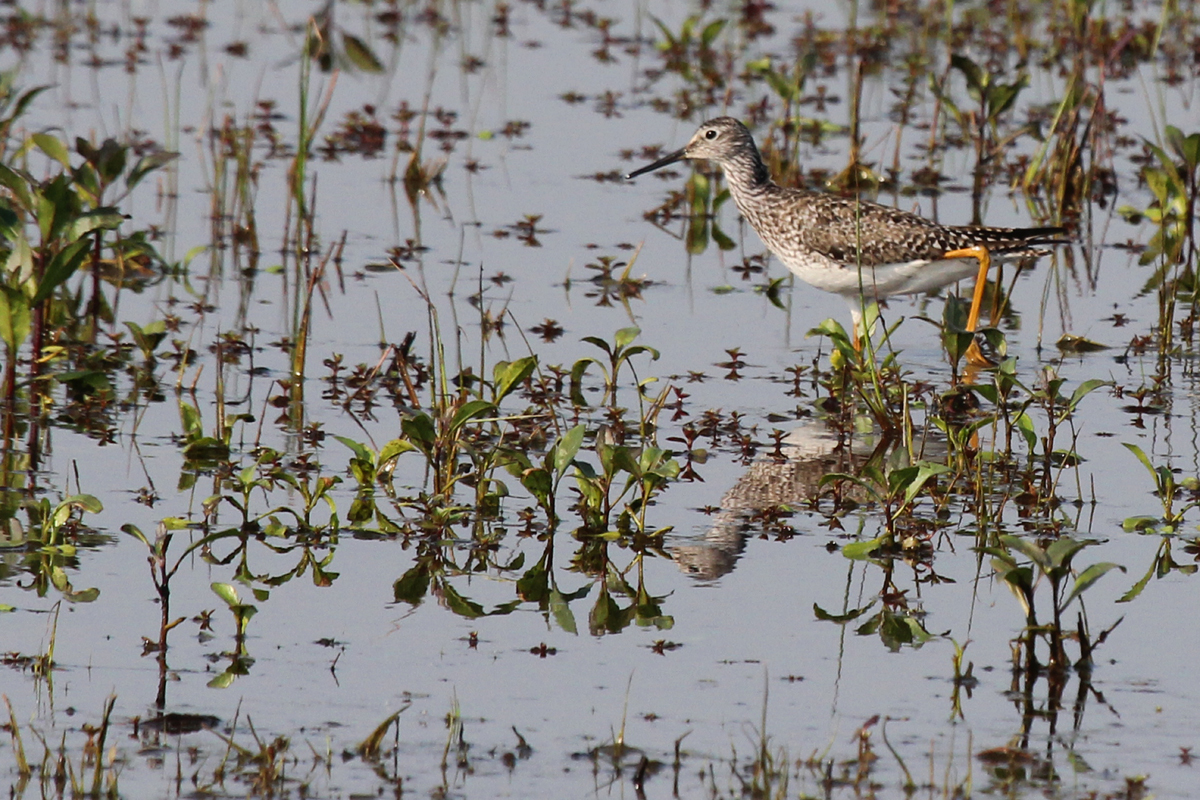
(741, 642)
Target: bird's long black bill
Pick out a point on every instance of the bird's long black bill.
(662, 162)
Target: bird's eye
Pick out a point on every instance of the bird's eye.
(710, 134)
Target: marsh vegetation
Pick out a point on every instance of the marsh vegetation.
(365, 433)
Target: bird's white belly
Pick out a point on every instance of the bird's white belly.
(911, 277)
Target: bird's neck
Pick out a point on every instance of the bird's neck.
(748, 179)
(746, 172)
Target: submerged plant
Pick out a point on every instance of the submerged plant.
(1052, 563)
(1174, 182)
(619, 354)
(1168, 490)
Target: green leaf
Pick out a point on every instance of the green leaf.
(897, 630)
(226, 592)
(1159, 184)
(1062, 550)
(970, 71)
(412, 585)
(20, 184)
(1137, 588)
(10, 223)
(1088, 577)
(87, 181)
(711, 31)
(1024, 425)
(110, 160)
(1187, 148)
(1084, 389)
(136, 533)
(244, 613)
(1142, 457)
(666, 32)
(53, 147)
(1140, 524)
(1000, 98)
(222, 681)
(23, 102)
(189, 415)
(470, 411)
(86, 502)
(100, 219)
(786, 89)
(420, 431)
(774, 291)
(640, 348)
(955, 315)
(925, 471)
(724, 242)
(562, 612)
(533, 586)
(625, 336)
(1028, 549)
(147, 164)
(90, 382)
(567, 448)
(149, 337)
(370, 747)
(85, 596)
(61, 267)
(460, 605)
(393, 449)
(506, 376)
(361, 452)
(849, 616)
(598, 342)
(1070, 343)
(860, 550)
(361, 56)
(539, 484)
(577, 372)
(15, 318)
(837, 335)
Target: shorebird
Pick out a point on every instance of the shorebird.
(860, 250)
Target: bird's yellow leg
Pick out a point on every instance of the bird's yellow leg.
(985, 263)
(974, 355)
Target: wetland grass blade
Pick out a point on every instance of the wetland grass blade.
(368, 748)
(18, 746)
